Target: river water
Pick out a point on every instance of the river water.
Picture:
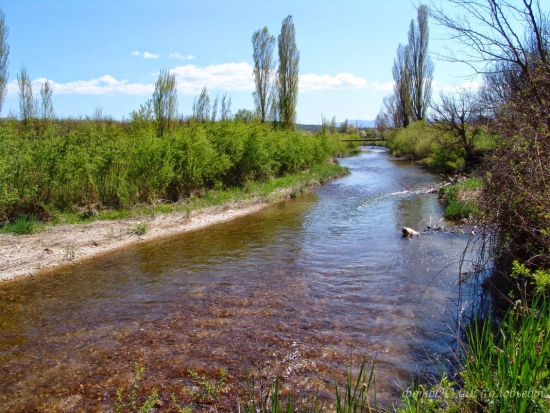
(295, 291)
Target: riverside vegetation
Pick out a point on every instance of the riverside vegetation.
(52, 168)
(76, 170)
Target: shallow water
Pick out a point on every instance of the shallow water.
(294, 291)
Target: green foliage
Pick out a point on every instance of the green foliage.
(206, 391)
(411, 142)
(438, 398)
(129, 403)
(27, 109)
(540, 277)
(287, 74)
(267, 398)
(69, 165)
(461, 198)
(445, 156)
(504, 368)
(263, 44)
(24, 225)
(139, 229)
(355, 396)
(507, 369)
(438, 149)
(165, 101)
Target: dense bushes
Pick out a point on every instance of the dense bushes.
(435, 148)
(66, 164)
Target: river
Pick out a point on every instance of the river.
(295, 291)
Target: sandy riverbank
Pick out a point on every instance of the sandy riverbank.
(25, 255)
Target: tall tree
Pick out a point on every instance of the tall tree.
(4, 54)
(457, 117)
(263, 44)
(419, 65)
(226, 108)
(287, 75)
(46, 107)
(165, 101)
(27, 107)
(215, 109)
(201, 106)
(401, 86)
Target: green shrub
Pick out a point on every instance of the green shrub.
(73, 163)
(461, 198)
(412, 142)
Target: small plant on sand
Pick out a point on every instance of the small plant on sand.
(70, 252)
(139, 229)
(129, 403)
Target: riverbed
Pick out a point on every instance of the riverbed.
(294, 291)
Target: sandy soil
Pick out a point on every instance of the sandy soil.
(25, 255)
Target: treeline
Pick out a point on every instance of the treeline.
(450, 133)
(505, 337)
(60, 165)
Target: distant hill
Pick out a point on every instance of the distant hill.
(310, 128)
(361, 123)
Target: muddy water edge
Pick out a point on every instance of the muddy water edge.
(294, 291)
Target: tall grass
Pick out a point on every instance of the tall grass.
(507, 367)
(353, 397)
(504, 368)
(461, 198)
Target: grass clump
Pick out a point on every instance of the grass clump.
(23, 225)
(504, 368)
(353, 397)
(461, 198)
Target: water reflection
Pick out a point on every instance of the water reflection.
(299, 287)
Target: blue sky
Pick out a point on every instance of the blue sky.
(107, 54)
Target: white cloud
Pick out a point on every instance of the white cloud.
(226, 76)
(148, 55)
(135, 53)
(181, 56)
(312, 82)
(104, 85)
(388, 86)
(192, 78)
(343, 81)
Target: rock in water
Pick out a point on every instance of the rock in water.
(409, 232)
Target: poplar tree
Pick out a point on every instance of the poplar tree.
(287, 75)
(402, 80)
(226, 108)
(201, 106)
(215, 109)
(263, 44)
(419, 65)
(26, 102)
(165, 101)
(46, 108)
(4, 54)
